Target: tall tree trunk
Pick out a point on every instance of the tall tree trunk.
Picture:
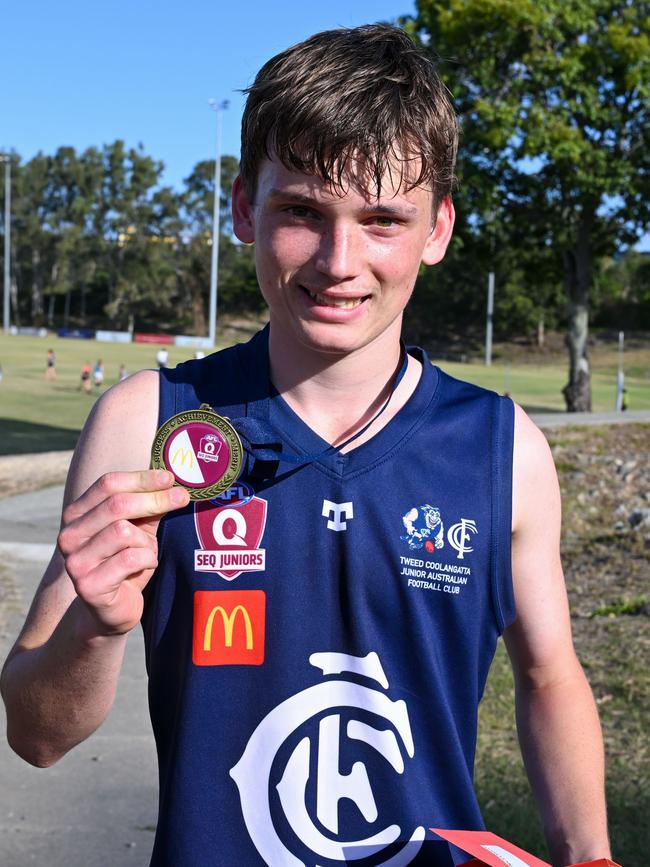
(578, 276)
(66, 309)
(13, 297)
(541, 335)
(50, 309)
(199, 322)
(37, 289)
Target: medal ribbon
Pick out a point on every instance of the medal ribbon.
(263, 443)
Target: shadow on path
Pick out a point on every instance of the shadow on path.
(23, 437)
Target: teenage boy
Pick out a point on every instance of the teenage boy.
(318, 637)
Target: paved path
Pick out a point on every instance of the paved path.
(565, 419)
(96, 807)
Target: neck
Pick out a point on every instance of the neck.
(336, 395)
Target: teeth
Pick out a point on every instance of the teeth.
(341, 303)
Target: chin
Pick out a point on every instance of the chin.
(332, 341)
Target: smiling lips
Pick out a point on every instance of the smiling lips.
(339, 303)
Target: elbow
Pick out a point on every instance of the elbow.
(35, 752)
(24, 738)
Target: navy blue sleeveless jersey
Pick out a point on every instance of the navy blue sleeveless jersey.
(318, 637)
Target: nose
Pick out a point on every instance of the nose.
(339, 253)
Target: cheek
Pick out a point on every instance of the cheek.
(291, 248)
(397, 265)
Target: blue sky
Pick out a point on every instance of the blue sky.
(86, 73)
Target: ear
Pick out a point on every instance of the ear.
(243, 222)
(440, 235)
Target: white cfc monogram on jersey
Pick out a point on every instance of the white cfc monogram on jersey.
(253, 770)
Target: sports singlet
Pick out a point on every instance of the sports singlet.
(318, 637)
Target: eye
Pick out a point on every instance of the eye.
(384, 222)
(300, 212)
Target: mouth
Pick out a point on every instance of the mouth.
(339, 302)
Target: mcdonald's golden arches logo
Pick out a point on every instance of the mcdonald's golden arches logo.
(228, 627)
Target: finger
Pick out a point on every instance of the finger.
(113, 590)
(109, 541)
(101, 584)
(120, 507)
(115, 483)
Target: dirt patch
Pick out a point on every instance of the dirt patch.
(21, 473)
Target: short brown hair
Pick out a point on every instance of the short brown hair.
(366, 94)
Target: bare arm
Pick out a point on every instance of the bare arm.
(60, 677)
(558, 724)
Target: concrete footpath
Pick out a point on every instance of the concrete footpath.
(98, 805)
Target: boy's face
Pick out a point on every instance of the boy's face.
(337, 270)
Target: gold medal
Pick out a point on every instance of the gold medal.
(202, 449)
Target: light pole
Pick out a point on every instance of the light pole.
(620, 378)
(488, 320)
(6, 159)
(217, 107)
(490, 293)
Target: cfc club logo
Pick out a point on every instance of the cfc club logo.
(230, 529)
(458, 536)
(425, 529)
(305, 735)
(228, 627)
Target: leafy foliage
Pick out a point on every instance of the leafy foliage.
(554, 104)
(98, 240)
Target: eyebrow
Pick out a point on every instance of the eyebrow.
(407, 210)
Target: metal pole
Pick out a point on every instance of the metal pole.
(217, 107)
(7, 249)
(620, 379)
(488, 324)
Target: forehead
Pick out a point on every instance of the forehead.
(276, 180)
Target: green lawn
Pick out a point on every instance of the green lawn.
(539, 388)
(36, 415)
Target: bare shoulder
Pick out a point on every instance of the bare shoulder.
(540, 637)
(535, 486)
(530, 442)
(119, 432)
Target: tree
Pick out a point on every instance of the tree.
(141, 226)
(554, 103)
(623, 286)
(237, 281)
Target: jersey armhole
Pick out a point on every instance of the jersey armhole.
(503, 598)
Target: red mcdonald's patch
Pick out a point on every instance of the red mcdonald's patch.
(228, 627)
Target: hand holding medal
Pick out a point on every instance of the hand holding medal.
(202, 449)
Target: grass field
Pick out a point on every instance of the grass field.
(36, 415)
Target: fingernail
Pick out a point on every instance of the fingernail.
(164, 477)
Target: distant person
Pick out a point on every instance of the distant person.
(624, 401)
(50, 365)
(98, 373)
(123, 373)
(1, 373)
(84, 382)
(162, 357)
